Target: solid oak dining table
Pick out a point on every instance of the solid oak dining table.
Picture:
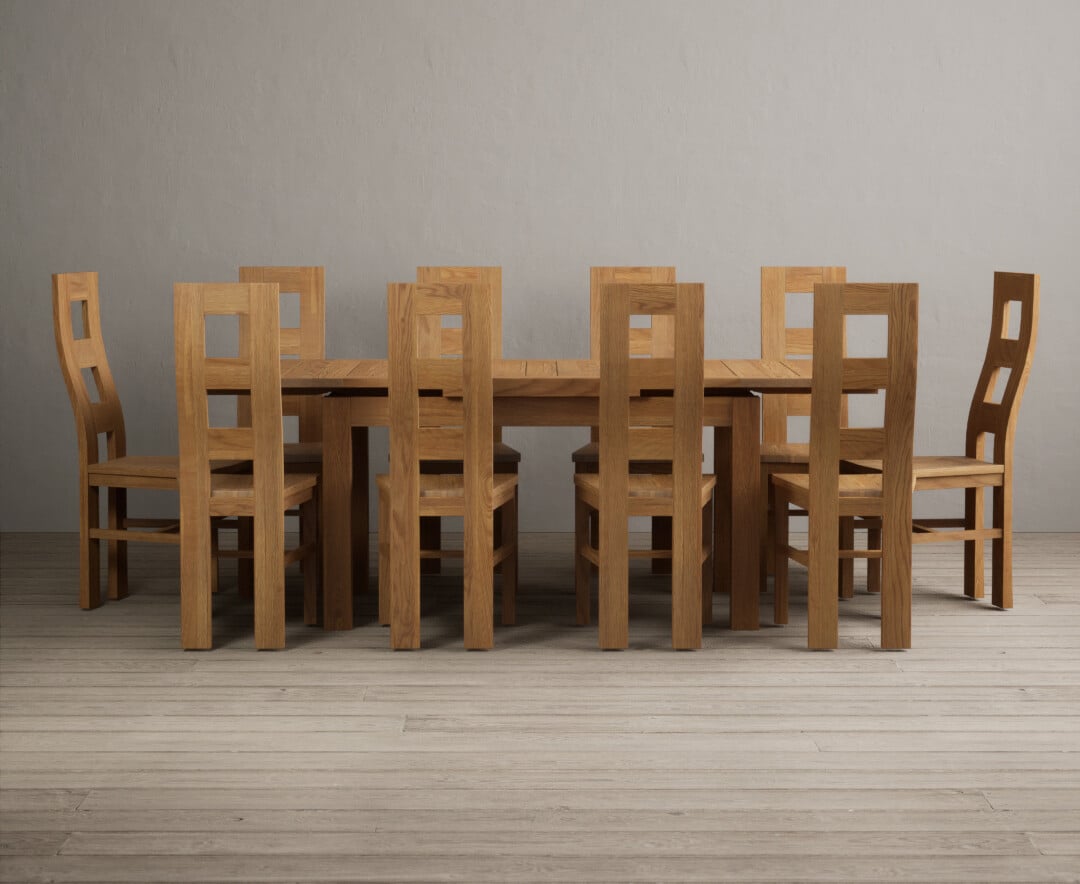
(539, 393)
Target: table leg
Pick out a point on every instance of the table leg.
(336, 516)
(745, 520)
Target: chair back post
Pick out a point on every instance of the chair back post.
(688, 421)
(92, 418)
(779, 341)
(1015, 355)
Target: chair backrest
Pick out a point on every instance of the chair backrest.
(304, 341)
(255, 371)
(436, 340)
(780, 341)
(97, 408)
(651, 408)
(1004, 353)
(453, 426)
(656, 339)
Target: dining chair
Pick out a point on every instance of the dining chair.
(655, 340)
(262, 494)
(434, 338)
(782, 341)
(456, 426)
(651, 409)
(95, 401)
(305, 340)
(994, 411)
(826, 495)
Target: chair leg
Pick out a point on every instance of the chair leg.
(846, 568)
(768, 539)
(661, 539)
(1001, 547)
(89, 549)
(974, 509)
(582, 566)
(384, 559)
(780, 556)
(245, 568)
(309, 533)
(707, 566)
(430, 539)
(215, 558)
(508, 521)
(118, 549)
(269, 572)
(873, 566)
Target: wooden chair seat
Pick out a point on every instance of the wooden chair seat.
(859, 494)
(936, 471)
(588, 455)
(237, 487)
(443, 494)
(134, 470)
(785, 453)
(504, 455)
(303, 453)
(650, 495)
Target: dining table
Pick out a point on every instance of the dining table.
(539, 393)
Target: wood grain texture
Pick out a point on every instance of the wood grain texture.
(122, 759)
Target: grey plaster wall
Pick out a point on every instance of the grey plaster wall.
(169, 141)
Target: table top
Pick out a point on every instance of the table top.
(543, 377)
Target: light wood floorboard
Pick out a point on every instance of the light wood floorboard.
(125, 759)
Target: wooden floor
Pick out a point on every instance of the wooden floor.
(125, 759)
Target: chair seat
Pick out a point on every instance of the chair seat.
(860, 495)
(234, 494)
(650, 494)
(942, 471)
(786, 452)
(443, 494)
(303, 452)
(589, 455)
(504, 455)
(133, 470)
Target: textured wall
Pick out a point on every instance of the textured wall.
(158, 142)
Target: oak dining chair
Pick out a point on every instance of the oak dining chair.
(434, 338)
(655, 340)
(823, 492)
(95, 401)
(781, 339)
(995, 407)
(305, 340)
(262, 494)
(663, 423)
(455, 427)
